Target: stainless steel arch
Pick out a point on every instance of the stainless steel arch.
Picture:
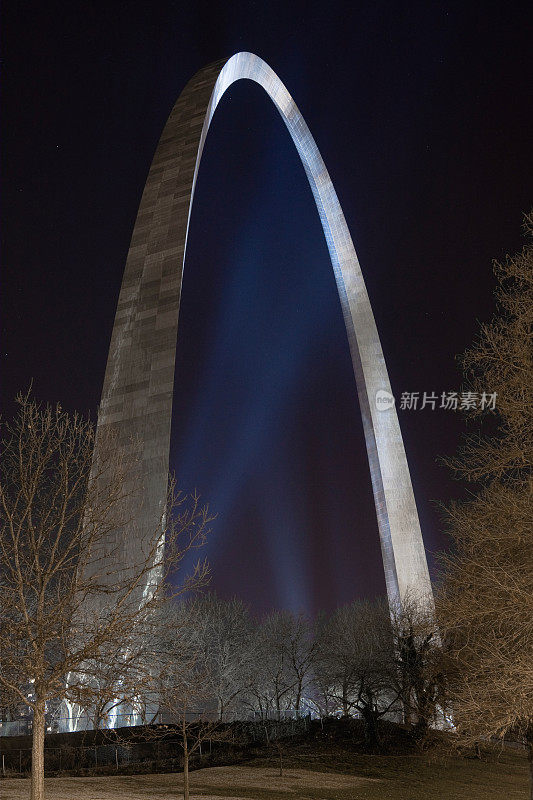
(139, 380)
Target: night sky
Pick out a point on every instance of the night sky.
(422, 113)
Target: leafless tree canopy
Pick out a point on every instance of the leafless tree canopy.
(77, 621)
(375, 665)
(224, 665)
(486, 602)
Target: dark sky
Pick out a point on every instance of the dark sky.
(422, 113)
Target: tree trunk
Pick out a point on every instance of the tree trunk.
(37, 752)
(406, 713)
(265, 725)
(298, 699)
(421, 729)
(185, 760)
(371, 726)
(344, 700)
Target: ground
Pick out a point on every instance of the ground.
(369, 778)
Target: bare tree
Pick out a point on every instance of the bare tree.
(299, 645)
(336, 656)
(274, 681)
(183, 681)
(225, 630)
(258, 694)
(355, 656)
(322, 688)
(73, 626)
(485, 606)
(417, 670)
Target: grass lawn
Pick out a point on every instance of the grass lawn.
(359, 777)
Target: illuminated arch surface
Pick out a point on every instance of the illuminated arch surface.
(139, 379)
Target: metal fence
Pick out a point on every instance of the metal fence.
(67, 759)
(150, 753)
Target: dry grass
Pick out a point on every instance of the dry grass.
(370, 778)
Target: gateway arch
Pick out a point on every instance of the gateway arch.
(139, 379)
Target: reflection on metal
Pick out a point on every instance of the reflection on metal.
(139, 380)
